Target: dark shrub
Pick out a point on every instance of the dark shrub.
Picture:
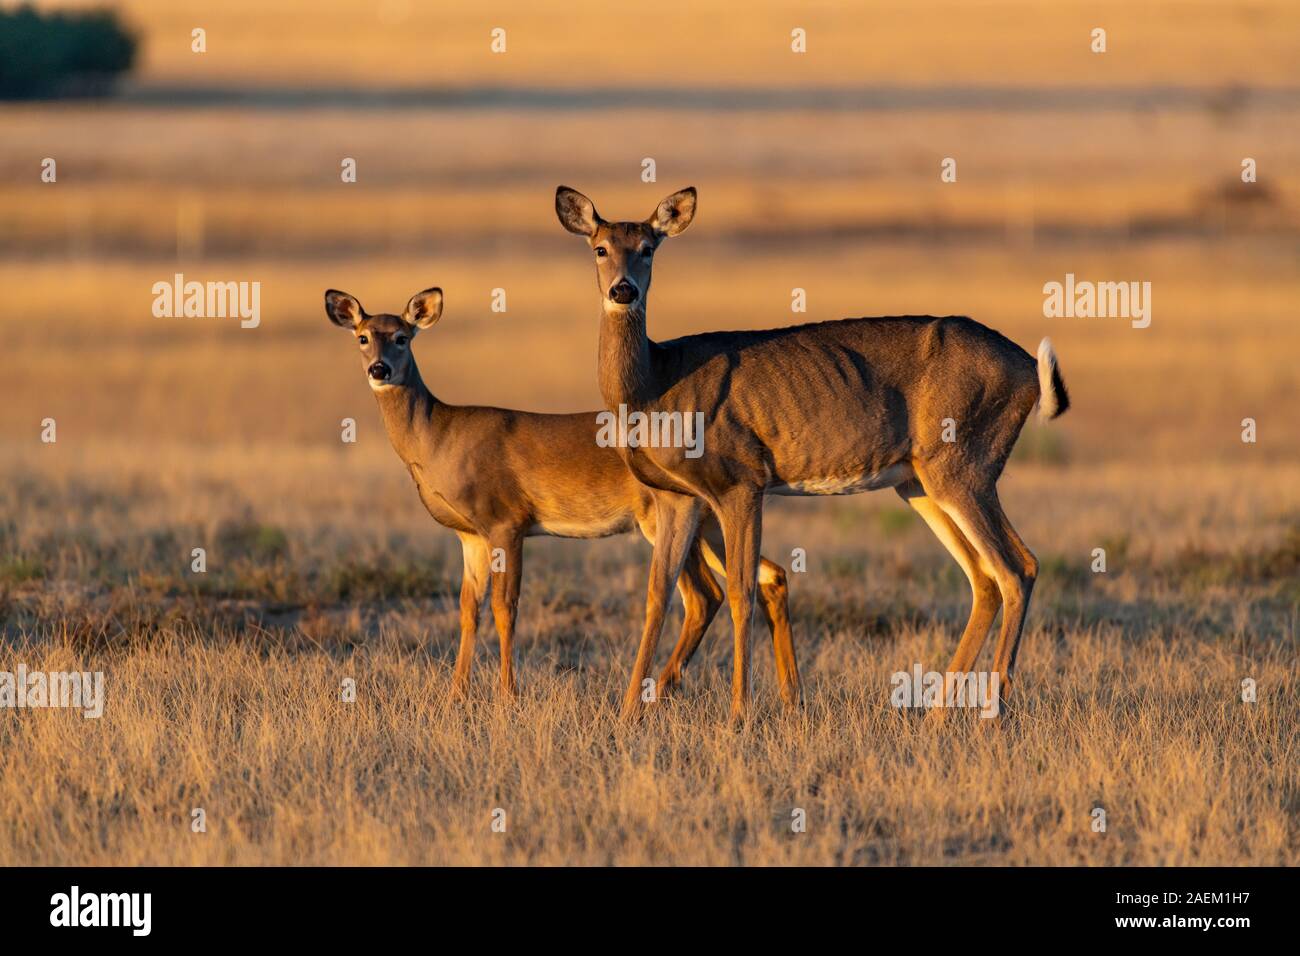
(64, 53)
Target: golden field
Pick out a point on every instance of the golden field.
(223, 688)
(705, 43)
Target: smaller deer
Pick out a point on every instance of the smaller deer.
(495, 476)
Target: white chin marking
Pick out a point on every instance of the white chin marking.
(381, 386)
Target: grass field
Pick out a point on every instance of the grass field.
(223, 688)
(586, 44)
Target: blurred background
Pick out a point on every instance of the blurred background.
(818, 170)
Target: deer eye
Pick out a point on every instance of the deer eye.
(363, 340)
(601, 252)
(647, 251)
(400, 340)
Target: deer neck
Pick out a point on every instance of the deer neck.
(626, 377)
(410, 413)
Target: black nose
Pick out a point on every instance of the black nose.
(624, 293)
(379, 371)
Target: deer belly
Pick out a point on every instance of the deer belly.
(852, 484)
(586, 526)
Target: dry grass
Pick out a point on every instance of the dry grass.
(584, 43)
(1148, 730)
(223, 688)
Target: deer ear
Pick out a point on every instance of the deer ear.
(342, 309)
(577, 213)
(424, 309)
(674, 213)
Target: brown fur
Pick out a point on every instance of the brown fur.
(495, 476)
(824, 408)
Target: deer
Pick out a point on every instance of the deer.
(495, 476)
(930, 406)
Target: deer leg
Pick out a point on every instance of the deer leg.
(986, 599)
(506, 560)
(473, 587)
(676, 517)
(701, 598)
(1002, 556)
(741, 516)
(774, 602)
(1004, 653)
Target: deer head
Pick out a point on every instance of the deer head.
(624, 251)
(384, 339)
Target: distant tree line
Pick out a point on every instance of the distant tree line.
(73, 53)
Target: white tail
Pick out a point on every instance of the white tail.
(1054, 399)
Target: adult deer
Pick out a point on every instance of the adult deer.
(930, 406)
(495, 476)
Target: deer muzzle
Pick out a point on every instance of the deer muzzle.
(623, 292)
